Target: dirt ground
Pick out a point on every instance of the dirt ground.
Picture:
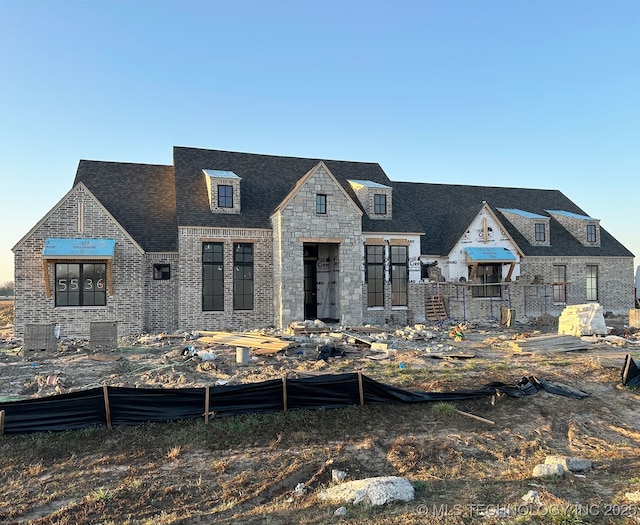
(453, 461)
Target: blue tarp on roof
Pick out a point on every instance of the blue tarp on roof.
(87, 248)
(494, 254)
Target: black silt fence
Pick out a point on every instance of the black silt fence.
(134, 406)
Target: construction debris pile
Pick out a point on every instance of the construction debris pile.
(306, 348)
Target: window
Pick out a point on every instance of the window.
(592, 282)
(559, 284)
(380, 204)
(540, 232)
(487, 275)
(212, 276)
(375, 275)
(243, 276)
(321, 204)
(399, 275)
(161, 272)
(81, 284)
(591, 233)
(225, 196)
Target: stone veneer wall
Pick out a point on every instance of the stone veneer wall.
(297, 223)
(190, 313)
(33, 306)
(161, 307)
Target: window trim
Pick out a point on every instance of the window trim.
(241, 299)
(217, 294)
(591, 284)
(225, 198)
(161, 271)
(377, 283)
(379, 203)
(592, 234)
(82, 292)
(540, 232)
(321, 204)
(399, 285)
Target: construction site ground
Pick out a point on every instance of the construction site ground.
(458, 460)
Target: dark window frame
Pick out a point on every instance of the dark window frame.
(540, 232)
(243, 276)
(161, 271)
(321, 204)
(592, 233)
(69, 293)
(225, 196)
(399, 257)
(212, 276)
(374, 255)
(560, 283)
(380, 204)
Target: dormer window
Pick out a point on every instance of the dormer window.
(540, 232)
(225, 196)
(533, 226)
(592, 236)
(380, 204)
(584, 228)
(223, 188)
(374, 197)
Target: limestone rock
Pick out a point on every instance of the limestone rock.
(371, 491)
(548, 470)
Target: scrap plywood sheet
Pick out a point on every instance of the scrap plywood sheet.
(259, 344)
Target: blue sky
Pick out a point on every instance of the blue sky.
(519, 93)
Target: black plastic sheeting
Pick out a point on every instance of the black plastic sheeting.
(630, 373)
(135, 406)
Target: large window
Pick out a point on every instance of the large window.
(540, 232)
(487, 275)
(213, 276)
(81, 284)
(592, 282)
(375, 275)
(399, 275)
(243, 276)
(380, 204)
(560, 284)
(225, 196)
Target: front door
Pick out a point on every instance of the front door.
(310, 290)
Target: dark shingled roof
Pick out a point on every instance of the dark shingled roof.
(266, 181)
(446, 210)
(150, 201)
(141, 197)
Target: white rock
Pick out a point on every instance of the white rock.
(547, 470)
(371, 491)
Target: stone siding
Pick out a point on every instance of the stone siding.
(297, 223)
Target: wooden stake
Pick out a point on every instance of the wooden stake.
(361, 389)
(284, 392)
(107, 408)
(206, 405)
(1, 422)
(476, 417)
